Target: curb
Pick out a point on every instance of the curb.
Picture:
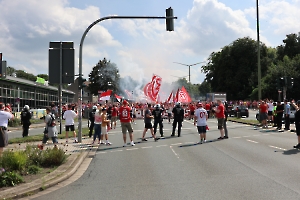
(62, 173)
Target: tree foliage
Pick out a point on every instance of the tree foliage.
(104, 76)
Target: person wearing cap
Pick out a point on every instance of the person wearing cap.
(200, 118)
(178, 114)
(297, 124)
(92, 120)
(4, 117)
(105, 123)
(125, 119)
(25, 120)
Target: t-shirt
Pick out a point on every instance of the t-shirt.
(69, 116)
(114, 112)
(124, 113)
(4, 117)
(270, 106)
(207, 106)
(192, 108)
(263, 108)
(221, 113)
(98, 119)
(201, 115)
(147, 119)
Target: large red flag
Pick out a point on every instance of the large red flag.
(118, 98)
(105, 95)
(169, 98)
(184, 96)
(151, 89)
(176, 97)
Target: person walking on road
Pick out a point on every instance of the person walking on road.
(287, 112)
(221, 118)
(92, 120)
(158, 120)
(297, 124)
(69, 116)
(178, 114)
(4, 117)
(125, 119)
(25, 120)
(148, 125)
(104, 125)
(200, 118)
(50, 129)
(97, 125)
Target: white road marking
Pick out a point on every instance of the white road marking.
(162, 145)
(252, 141)
(189, 142)
(176, 144)
(277, 147)
(116, 151)
(101, 152)
(236, 137)
(174, 152)
(247, 136)
(147, 147)
(132, 149)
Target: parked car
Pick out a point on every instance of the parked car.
(292, 115)
(241, 109)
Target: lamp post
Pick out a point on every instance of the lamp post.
(258, 54)
(189, 68)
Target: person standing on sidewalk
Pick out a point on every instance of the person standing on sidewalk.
(92, 120)
(105, 123)
(69, 116)
(148, 125)
(287, 112)
(125, 119)
(221, 118)
(25, 120)
(4, 117)
(200, 118)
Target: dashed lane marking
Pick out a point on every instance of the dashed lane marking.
(277, 148)
(252, 141)
(164, 145)
(147, 147)
(176, 144)
(115, 151)
(132, 149)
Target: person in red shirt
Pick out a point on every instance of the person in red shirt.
(125, 119)
(220, 115)
(263, 112)
(207, 108)
(192, 111)
(114, 115)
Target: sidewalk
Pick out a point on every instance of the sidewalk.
(77, 153)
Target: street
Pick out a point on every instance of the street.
(251, 164)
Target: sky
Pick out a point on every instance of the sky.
(139, 47)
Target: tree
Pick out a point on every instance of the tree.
(10, 71)
(25, 75)
(291, 46)
(104, 76)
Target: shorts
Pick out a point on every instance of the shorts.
(54, 139)
(192, 112)
(126, 126)
(169, 114)
(220, 123)
(114, 119)
(134, 115)
(148, 125)
(298, 130)
(201, 129)
(3, 138)
(270, 113)
(263, 116)
(103, 130)
(68, 127)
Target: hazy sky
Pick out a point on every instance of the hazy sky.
(138, 47)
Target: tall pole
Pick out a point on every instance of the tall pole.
(60, 86)
(189, 68)
(80, 59)
(258, 54)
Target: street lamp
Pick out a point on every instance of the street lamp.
(189, 68)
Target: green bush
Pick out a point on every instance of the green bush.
(34, 155)
(33, 169)
(53, 157)
(14, 160)
(10, 179)
(14, 122)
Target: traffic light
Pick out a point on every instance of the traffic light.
(81, 83)
(290, 82)
(169, 21)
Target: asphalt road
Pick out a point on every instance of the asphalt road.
(251, 164)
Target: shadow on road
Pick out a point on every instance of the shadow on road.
(291, 152)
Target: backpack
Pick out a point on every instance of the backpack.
(51, 123)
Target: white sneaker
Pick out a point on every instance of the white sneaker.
(108, 143)
(204, 141)
(132, 143)
(124, 145)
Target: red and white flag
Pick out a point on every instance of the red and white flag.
(118, 98)
(105, 95)
(170, 97)
(151, 89)
(184, 96)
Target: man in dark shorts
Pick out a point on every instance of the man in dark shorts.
(279, 114)
(5, 115)
(148, 125)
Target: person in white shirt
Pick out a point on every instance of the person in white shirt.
(270, 110)
(69, 116)
(97, 125)
(200, 118)
(5, 115)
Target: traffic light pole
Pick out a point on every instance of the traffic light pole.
(80, 58)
